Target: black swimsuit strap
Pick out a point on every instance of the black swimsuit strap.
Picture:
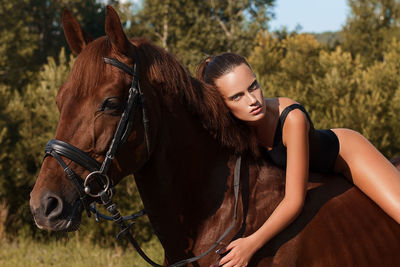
(282, 118)
(289, 108)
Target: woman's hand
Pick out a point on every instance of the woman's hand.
(240, 252)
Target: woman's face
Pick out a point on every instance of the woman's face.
(242, 94)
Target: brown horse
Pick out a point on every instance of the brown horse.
(185, 180)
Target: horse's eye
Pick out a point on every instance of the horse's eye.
(112, 104)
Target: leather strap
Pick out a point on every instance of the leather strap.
(134, 243)
(122, 129)
(118, 64)
(76, 180)
(135, 85)
(73, 153)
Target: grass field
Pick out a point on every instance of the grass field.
(73, 252)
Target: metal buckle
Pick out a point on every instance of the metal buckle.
(106, 185)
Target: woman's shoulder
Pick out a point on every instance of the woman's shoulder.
(284, 102)
(280, 103)
(293, 115)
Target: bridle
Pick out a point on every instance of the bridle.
(98, 171)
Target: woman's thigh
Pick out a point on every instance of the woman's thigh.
(369, 170)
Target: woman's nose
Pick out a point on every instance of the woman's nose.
(252, 99)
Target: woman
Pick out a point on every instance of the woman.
(284, 129)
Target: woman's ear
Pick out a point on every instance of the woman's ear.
(77, 38)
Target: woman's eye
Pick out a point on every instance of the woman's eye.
(235, 97)
(254, 87)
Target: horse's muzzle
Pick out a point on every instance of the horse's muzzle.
(50, 212)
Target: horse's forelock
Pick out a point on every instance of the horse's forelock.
(88, 70)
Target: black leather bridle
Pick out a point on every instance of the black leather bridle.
(98, 171)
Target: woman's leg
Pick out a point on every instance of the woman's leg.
(369, 170)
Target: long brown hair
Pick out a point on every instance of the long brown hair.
(213, 67)
(208, 71)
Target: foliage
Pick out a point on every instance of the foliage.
(31, 119)
(329, 39)
(194, 29)
(17, 42)
(370, 28)
(267, 54)
(293, 65)
(31, 31)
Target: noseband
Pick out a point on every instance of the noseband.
(98, 171)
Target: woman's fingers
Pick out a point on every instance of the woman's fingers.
(231, 264)
(223, 260)
(221, 251)
(234, 257)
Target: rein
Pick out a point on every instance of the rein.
(98, 171)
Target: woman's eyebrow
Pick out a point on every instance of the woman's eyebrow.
(252, 84)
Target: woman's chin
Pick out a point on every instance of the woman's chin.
(254, 119)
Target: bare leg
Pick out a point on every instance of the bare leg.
(369, 170)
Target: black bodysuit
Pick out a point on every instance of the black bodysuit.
(323, 145)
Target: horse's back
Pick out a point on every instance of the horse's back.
(339, 226)
(349, 230)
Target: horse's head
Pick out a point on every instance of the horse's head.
(91, 104)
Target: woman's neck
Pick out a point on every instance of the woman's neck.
(266, 126)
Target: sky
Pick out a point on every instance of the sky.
(312, 15)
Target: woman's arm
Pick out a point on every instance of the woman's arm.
(295, 138)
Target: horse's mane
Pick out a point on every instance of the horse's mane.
(161, 68)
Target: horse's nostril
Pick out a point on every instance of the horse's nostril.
(52, 206)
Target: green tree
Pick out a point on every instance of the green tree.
(294, 62)
(31, 31)
(17, 43)
(8, 138)
(29, 121)
(332, 97)
(193, 29)
(370, 28)
(376, 101)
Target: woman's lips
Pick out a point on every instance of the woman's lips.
(256, 110)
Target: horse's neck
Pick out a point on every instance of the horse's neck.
(185, 158)
(186, 177)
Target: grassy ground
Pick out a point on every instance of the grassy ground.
(74, 252)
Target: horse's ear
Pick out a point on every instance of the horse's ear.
(76, 37)
(115, 32)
